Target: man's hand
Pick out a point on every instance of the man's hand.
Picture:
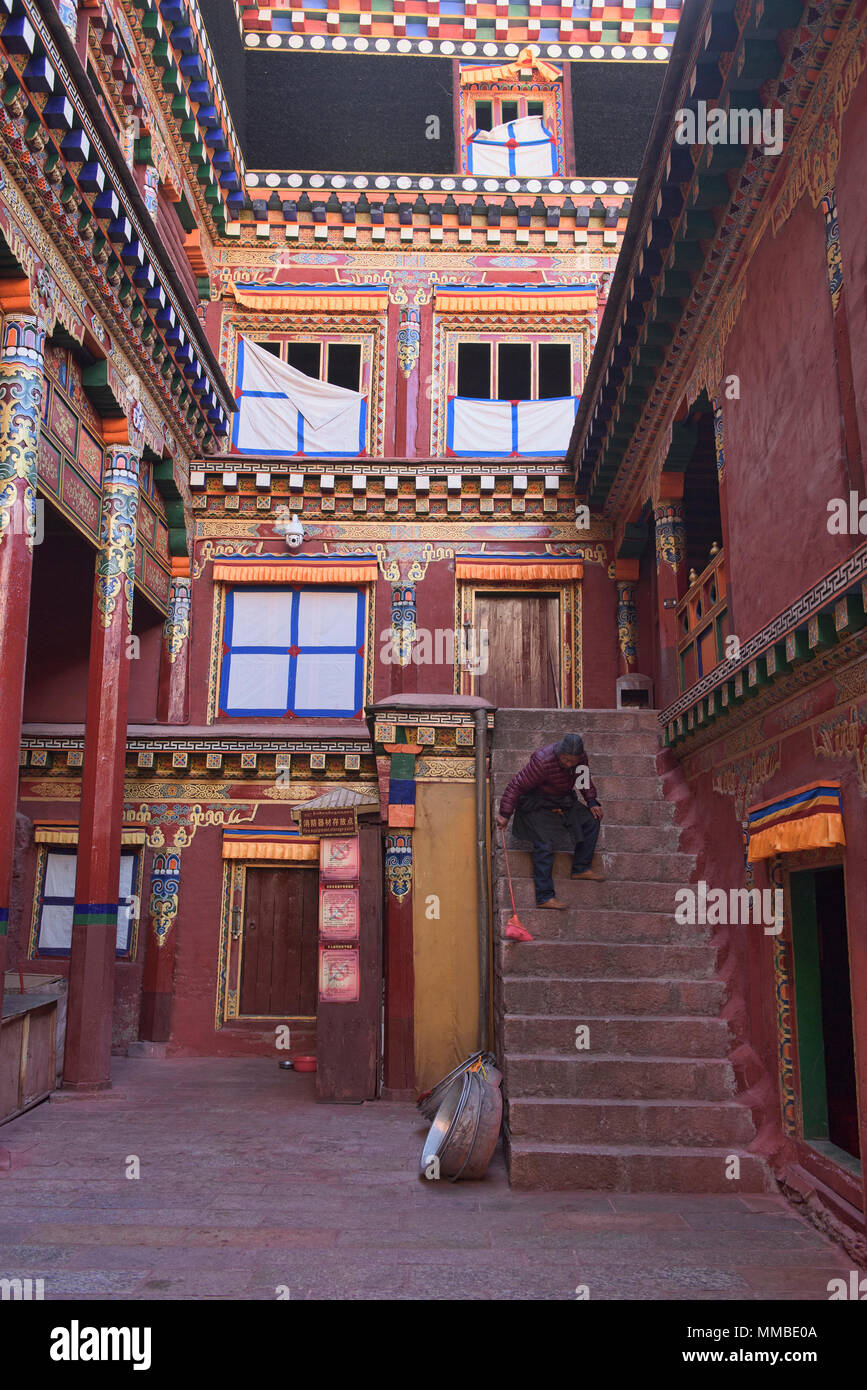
(502, 821)
(596, 811)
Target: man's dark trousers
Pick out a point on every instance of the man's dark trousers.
(543, 861)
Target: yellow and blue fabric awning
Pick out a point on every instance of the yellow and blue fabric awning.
(807, 818)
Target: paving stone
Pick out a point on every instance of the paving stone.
(247, 1184)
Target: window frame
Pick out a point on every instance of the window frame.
(37, 952)
(549, 94)
(534, 342)
(360, 650)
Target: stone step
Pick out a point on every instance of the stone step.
(581, 895)
(618, 1168)
(648, 1036)
(598, 740)
(594, 960)
(695, 1123)
(602, 925)
(627, 811)
(563, 721)
(536, 994)
(618, 1078)
(610, 786)
(646, 867)
(604, 764)
(626, 839)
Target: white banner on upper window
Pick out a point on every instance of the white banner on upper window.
(520, 148)
(284, 411)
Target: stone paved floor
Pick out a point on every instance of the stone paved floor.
(247, 1184)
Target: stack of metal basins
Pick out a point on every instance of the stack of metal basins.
(466, 1111)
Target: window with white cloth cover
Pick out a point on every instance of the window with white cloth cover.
(56, 901)
(293, 651)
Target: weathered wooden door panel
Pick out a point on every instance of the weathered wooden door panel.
(523, 649)
(278, 970)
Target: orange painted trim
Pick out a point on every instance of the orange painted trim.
(265, 849)
(670, 486)
(626, 569)
(15, 296)
(320, 303)
(283, 572)
(180, 566)
(115, 431)
(480, 569)
(446, 301)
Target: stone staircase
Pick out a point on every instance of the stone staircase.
(650, 1104)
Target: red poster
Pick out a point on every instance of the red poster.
(339, 860)
(339, 975)
(338, 914)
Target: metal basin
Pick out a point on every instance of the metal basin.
(464, 1132)
(445, 1117)
(430, 1102)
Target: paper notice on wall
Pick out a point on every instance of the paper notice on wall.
(338, 914)
(339, 974)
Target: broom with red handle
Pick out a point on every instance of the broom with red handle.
(515, 930)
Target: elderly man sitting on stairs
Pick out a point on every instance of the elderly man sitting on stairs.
(550, 815)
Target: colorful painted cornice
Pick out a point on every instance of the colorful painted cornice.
(68, 156)
(173, 43)
(427, 213)
(586, 30)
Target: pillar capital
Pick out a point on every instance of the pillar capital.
(115, 563)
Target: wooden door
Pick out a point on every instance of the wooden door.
(278, 967)
(523, 650)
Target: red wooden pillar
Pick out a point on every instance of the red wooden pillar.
(87, 1061)
(159, 962)
(173, 703)
(21, 387)
(399, 1057)
(670, 579)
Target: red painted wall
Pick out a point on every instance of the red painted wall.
(58, 642)
(852, 211)
(782, 438)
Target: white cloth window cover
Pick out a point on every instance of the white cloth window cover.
(284, 411)
(311, 665)
(58, 893)
(519, 148)
(58, 900)
(505, 428)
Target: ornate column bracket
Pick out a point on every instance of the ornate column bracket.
(115, 565)
(627, 622)
(670, 534)
(21, 393)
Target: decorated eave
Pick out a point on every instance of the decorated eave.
(65, 151)
(428, 210)
(825, 629)
(681, 222)
(174, 45)
(588, 31)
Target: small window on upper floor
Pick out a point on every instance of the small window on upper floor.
(512, 371)
(511, 118)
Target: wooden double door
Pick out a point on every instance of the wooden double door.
(523, 649)
(280, 945)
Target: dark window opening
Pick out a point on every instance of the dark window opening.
(344, 365)
(514, 372)
(535, 108)
(304, 357)
(510, 111)
(555, 370)
(484, 115)
(474, 370)
(271, 347)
